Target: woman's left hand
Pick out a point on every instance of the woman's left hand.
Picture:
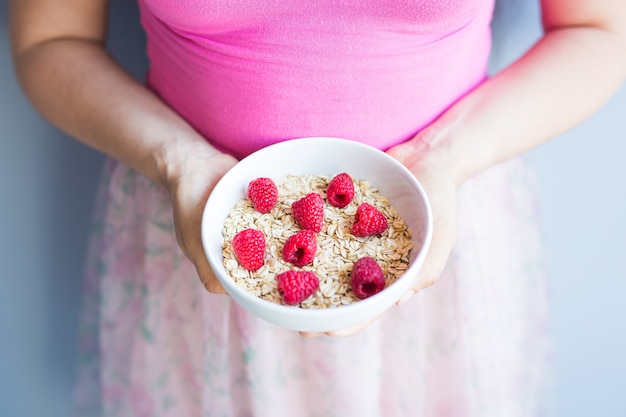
(431, 168)
(433, 171)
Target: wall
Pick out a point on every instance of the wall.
(47, 185)
(583, 202)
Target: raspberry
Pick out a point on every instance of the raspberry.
(368, 220)
(340, 191)
(296, 286)
(263, 194)
(249, 248)
(309, 212)
(300, 248)
(366, 278)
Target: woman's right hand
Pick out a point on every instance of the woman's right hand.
(60, 59)
(76, 84)
(189, 187)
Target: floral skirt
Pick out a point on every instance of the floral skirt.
(154, 343)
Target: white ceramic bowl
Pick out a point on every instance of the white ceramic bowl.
(320, 156)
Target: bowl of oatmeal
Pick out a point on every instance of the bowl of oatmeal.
(303, 255)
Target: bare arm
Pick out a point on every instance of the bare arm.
(61, 62)
(567, 75)
(570, 73)
(64, 68)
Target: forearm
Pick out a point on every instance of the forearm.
(563, 79)
(76, 85)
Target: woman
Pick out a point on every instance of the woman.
(227, 79)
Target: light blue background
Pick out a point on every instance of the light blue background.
(47, 185)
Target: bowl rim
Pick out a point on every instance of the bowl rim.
(236, 292)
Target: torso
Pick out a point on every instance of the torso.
(248, 75)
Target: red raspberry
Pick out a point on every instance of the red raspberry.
(296, 286)
(368, 220)
(367, 278)
(249, 248)
(309, 212)
(300, 248)
(340, 191)
(263, 194)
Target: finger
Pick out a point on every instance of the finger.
(426, 278)
(430, 272)
(443, 241)
(310, 334)
(208, 278)
(214, 287)
(406, 296)
(433, 267)
(205, 272)
(353, 330)
(349, 331)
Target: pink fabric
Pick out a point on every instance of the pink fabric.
(248, 74)
(155, 344)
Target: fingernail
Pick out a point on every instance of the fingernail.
(308, 335)
(406, 297)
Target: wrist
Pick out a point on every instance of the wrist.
(455, 148)
(172, 159)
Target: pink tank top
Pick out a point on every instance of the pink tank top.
(247, 74)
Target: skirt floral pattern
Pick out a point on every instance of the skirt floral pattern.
(154, 343)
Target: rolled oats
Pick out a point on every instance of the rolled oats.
(337, 250)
